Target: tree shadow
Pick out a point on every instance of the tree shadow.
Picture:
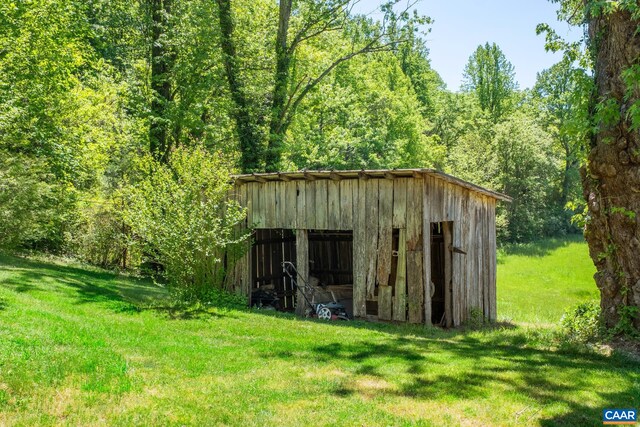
(121, 293)
(448, 365)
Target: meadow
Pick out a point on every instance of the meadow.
(83, 346)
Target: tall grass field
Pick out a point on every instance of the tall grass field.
(81, 346)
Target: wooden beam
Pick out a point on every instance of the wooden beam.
(335, 176)
(400, 297)
(389, 175)
(309, 177)
(302, 265)
(258, 178)
(363, 175)
(384, 302)
(284, 177)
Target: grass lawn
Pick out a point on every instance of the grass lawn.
(538, 281)
(77, 347)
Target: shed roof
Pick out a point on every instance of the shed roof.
(312, 175)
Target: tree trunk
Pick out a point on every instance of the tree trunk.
(249, 138)
(161, 61)
(277, 127)
(611, 179)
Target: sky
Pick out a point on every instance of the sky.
(461, 25)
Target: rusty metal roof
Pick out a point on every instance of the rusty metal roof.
(312, 175)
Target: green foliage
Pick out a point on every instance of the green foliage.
(583, 324)
(625, 326)
(491, 77)
(34, 207)
(183, 216)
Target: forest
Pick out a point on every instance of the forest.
(91, 91)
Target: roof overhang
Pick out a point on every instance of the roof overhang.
(338, 175)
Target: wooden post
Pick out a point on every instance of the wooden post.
(448, 248)
(302, 265)
(359, 250)
(384, 302)
(400, 298)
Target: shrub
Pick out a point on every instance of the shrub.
(35, 207)
(583, 323)
(181, 213)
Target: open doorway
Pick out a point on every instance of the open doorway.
(441, 271)
(331, 265)
(271, 286)
(330, 268)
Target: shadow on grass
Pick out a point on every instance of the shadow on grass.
(539, 248)
(449, 365)
(120, 294)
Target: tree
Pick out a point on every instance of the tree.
(611, 178)
(491, 77)
(298, 24)
(561, 96)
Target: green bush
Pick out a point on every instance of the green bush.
(35, 207)
(583, 323)
(181, 213)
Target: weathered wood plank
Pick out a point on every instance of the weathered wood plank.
(414, 214)
(415, 287)
(492, 265)
(310, 195)
(448, 270)
(400, 203)
(486, 258)
(457, 262)
(301, 204)
(437, 205)
(426, 250)
(333, 199)
(346, 203)
(385, 230)
(384, 302)
(302, 265)
(280, 197)
(400, 288)
(269, 192)
(290, 205)
(259, 200)
(359, 250)
(371, 234)
(321, 208)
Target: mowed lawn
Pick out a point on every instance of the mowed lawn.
(538, 281)
(80, 346)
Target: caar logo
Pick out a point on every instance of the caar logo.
(619, 416)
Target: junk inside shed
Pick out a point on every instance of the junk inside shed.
(330, 267)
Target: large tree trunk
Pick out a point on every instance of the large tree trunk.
(277, 126)
(161, 63)
(250, 147)
(611, 180)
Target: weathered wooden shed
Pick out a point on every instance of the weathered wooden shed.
(413, 245)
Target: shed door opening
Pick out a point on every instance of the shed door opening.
(441, 273)
(271, 287)
(331, 264)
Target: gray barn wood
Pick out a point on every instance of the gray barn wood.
(414, 245)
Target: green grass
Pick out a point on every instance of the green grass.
(77, 347)
(538, 281)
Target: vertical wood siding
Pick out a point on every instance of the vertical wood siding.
(373, 208)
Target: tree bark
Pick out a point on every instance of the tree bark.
(611, 179)
(161, 62)
(249, 138)
(277, 126)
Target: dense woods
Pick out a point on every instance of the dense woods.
(96, 97)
